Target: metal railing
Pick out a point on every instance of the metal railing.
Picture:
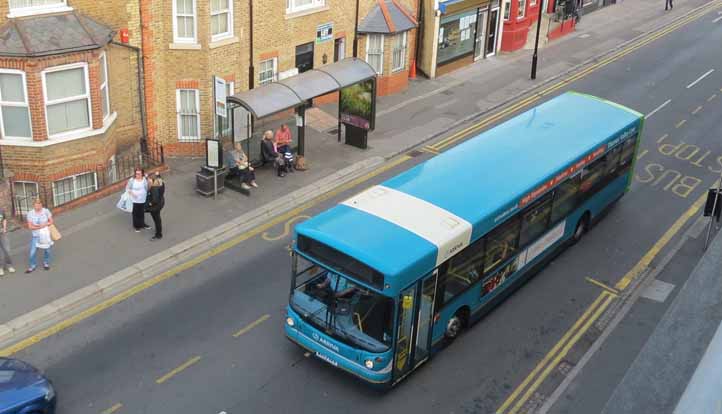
(63, 191)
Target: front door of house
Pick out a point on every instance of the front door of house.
(480, 46)
(339, 49)
(493, 30)
(304, 57)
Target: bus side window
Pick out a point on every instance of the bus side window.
(627, 153)
(565, 198)
(535, 219)
(592, 175)
(613, 161)
(501, 244)
(464, 269)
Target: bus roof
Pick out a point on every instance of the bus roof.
(401, 227)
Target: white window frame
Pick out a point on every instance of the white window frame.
(76, 193)
(507, 10)
(522, 9)
(229, 12)
(178, 39)
(104, 88)
(532, 3)
(274, 78)
(291, 6)
(381, 52)
(16, 104)
(230, 90)
(61, 68)
(29, 203)
(197, 115)
(62, 6)
(404, 50)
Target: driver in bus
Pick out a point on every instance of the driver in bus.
(331, 278)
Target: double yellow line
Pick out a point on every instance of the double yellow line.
(452, 139)
(560, 350)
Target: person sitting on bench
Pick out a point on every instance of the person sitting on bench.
(239, 166)
(269, 154)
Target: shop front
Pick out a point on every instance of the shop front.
(466, 32)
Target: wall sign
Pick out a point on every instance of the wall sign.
(324, 32)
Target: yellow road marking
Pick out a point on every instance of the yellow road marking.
(699, 108)
(286, 228)
(428, 148)
(252, 325)
(62, 325)
(659, 245)
(563, 353)
(680, 123)
(611, 290)
(711, 98)
(113, 409)
(642, 153)
(177, 370)
(662, 138)
(550, 355)
(641, 43)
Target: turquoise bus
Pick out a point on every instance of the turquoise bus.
(382, 279)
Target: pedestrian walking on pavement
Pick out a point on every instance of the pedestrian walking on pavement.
(137, 189)
(156, 204)
(668, 4)
(6, 261)
(39, 220)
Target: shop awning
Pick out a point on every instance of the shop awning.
(292, 92)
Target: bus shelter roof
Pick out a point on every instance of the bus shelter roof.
(294, 91)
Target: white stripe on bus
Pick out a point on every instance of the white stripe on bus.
(447, 231)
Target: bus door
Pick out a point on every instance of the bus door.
(413, 339)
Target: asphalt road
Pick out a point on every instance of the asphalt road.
(211, 340)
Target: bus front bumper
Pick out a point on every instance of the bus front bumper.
(319, 351)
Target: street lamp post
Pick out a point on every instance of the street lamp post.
(355, 32)
(251, 75)
(536, 42)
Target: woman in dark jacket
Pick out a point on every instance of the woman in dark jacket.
(269, 153)
(156, 204)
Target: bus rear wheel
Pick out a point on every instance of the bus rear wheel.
(456, 325)
(582, 227)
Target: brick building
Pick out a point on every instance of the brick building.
(191, 41)
(69, 96)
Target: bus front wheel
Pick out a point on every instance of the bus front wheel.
(582, 227)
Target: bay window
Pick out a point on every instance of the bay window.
(104, 97)
(375, 52)
(76, 186)
(67, 98)
(14, 111)
(399, 55)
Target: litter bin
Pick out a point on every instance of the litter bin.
(357, 137)
(204, 180)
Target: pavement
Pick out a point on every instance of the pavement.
(680, 348)
(100, 255)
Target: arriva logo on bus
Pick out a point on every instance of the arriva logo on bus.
(324, 342)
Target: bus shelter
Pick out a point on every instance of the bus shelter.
(351, 77)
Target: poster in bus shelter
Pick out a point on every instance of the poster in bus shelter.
(357, 104)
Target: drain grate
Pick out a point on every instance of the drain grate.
(414, 153)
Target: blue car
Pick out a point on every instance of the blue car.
(24, 389)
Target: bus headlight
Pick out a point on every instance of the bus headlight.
(290, 321)
(369, 364)
(49, 393)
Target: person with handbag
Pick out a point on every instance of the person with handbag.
(156, 202)
(6, 261)
(39, 220)
(269, 153)
(137, 189)
(241, 167)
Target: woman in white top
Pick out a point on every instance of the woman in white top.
(137, 189)
(39, 219)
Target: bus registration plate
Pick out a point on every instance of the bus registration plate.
(327, 359)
